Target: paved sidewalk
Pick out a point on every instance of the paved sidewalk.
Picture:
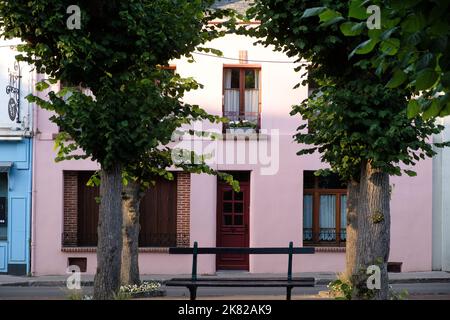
(321, 278)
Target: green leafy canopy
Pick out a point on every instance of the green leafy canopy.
(411, 50)
(352, 117)
(117, 53)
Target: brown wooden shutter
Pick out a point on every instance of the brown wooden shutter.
(88, 211)
(158, 215)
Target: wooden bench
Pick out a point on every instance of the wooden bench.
(194, 282)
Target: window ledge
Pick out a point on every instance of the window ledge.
(94, 249)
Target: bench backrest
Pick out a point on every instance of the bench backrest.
(236, 250)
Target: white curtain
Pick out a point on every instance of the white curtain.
(307, 216)
(252, 95)
(251, 100)
(231, 96)
(327, 217)
(232, 102)
(343, 217)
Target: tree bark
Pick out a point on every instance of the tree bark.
(109, 247)
(352, 228)
(132, 196)
(373, 236)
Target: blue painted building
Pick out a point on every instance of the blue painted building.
(16, 81)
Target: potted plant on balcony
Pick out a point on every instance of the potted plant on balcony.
(241, 126)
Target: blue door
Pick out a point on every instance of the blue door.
(3, 222)
(3, 257)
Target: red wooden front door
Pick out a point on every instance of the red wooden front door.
(233, 225)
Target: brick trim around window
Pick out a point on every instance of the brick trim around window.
(183, 208)
(70, 198)
(70, 233)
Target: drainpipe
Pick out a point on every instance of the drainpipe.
(33, 183)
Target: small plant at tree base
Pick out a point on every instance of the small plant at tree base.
(144, 288)
(340, 289)
(78, 295)
(75, 295)
(402, 295)
(122, 295)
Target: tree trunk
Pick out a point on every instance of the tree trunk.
(132, 195)
(352, 228)
(109, 247)
(373, 236)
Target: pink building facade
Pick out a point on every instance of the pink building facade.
(279, 202)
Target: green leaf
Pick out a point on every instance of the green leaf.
(445, 111)
(364, 48)
(30, 98)
(332, 21)
(351, 29)
(426, 78)
(63, 92)
(390, 46)
(445, 80)
(42, 85)
(438, 27)
(328, 15)
(411, 173)
(374, 34)
(397, 79)
(432, 111)
(357, 10)
(414, 23)
(387, 34)
(311, 12)
(413, 109)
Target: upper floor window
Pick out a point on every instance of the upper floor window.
(324, 210)
(241, 103)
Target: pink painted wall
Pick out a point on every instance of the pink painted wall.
(276, 200)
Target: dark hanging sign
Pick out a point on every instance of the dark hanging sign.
(13, 90)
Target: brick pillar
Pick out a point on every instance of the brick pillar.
(183, 208)
(70, 209)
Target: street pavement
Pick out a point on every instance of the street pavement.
(419, 285)
(321, 278)
(426, 291)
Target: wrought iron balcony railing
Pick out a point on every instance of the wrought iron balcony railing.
(325, 236)
(249, 120)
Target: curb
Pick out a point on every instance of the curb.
(397, 281)
(34, 283)
(59, 283)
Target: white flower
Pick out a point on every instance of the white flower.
(144, 287)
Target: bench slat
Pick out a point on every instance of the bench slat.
(305, 279)
(260, 284)
(236, 250)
